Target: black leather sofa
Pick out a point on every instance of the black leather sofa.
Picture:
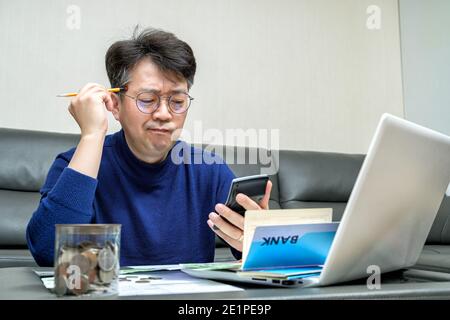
(301, 179)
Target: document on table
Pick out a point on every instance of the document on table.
(176, 282)
(168, 282)
(231, 265)
(151, 268)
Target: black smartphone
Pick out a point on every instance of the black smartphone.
(252, 186)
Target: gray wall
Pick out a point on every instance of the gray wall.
(309, 68)
(425, 43)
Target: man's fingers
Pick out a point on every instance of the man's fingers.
(246, 202)
(226, 227)
(89, 90)
(88, 87)
(234, 217)
(70, 108)
(99, 91)
(249, 204)
(109, 104)
(264, 203)
(233, 242)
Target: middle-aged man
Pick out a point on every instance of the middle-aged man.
(167, 209)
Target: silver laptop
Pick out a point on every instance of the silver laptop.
(391, 209)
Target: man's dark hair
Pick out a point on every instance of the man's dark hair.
(169, 53)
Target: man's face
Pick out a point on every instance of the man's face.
(150, 135)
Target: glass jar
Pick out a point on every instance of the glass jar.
(87, 259)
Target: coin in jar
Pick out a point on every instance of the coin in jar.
(91, 255)
(106, 259)
(113, 246)
(61, 269)
(82, 262)
(92, 275)
(86, 244)
(60, 285)
(66, 254)
(82, 286)
(106, 277)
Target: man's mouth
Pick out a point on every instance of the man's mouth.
(160, 130)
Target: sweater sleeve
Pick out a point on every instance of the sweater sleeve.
(226, 176)
(67, 197)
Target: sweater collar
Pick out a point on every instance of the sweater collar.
(137, 167)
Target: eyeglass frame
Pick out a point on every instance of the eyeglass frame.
(160, 98)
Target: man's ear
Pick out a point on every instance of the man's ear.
(116, 105)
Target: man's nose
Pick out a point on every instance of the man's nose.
(163, 112)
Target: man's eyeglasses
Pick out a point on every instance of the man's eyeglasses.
(148, 102)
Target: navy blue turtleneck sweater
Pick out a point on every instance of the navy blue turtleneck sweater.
(163, 207)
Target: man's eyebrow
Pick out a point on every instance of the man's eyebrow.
(148, 90)
(159, 91)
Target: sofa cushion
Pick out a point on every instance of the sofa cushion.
(16, 210)
(27, 156)
(309, 179)
(16, 258)
(440, 230)
(434, 258)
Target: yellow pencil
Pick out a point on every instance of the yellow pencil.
(73, 94)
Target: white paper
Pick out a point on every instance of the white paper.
(172, 283)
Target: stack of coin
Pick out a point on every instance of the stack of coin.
(85, 267)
